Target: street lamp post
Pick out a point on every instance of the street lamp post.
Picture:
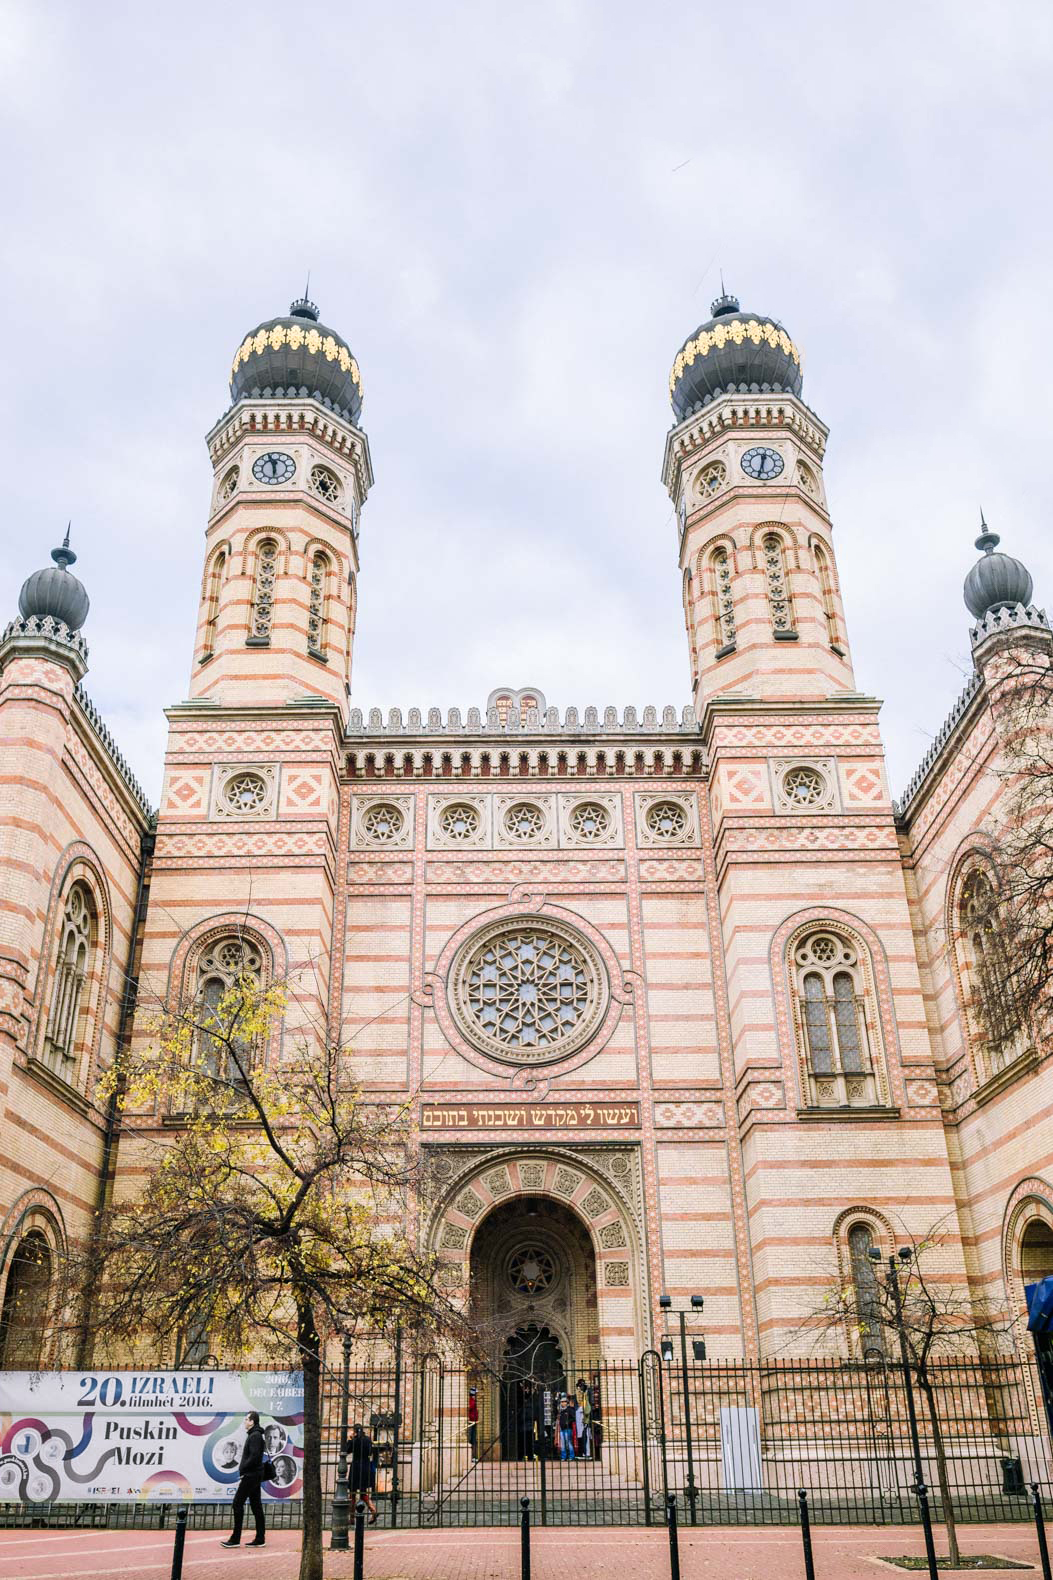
(665, 1302)
(341, 1498)
(921, 1491)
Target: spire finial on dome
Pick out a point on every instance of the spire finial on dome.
(725, 302)
(988, 541)
(303, 307)
(64, 555)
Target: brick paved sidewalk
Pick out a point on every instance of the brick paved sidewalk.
(759, 1553)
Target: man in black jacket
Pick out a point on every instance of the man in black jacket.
(251, 1471)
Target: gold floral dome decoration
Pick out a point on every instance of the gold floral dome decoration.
(733, 352)
(298, 356)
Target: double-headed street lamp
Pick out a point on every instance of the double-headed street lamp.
(904, 1256)
(699, 1351)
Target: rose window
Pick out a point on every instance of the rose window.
(459, 822)
(524, 821)
(804, 786)
(823, 950)
(532, 1270)
(383, 822)
(528, 990)
(666, 820)
(245, 792)
(590, 821)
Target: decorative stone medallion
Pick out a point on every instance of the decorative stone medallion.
(244, 790)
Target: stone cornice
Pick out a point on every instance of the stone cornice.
(289, 420)
(478, 723)
(731, 412)
(732, 707)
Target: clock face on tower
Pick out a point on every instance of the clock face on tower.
(762, 463)
(274, 467)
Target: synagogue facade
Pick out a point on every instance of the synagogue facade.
(684, 999)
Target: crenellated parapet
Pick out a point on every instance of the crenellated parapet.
(1013, 617)
(479, 721)
(47, 636)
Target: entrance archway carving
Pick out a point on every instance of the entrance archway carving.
(602, 1190)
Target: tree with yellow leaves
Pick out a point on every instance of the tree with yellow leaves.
(278, 1204)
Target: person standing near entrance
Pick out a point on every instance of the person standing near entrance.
(566, 1422)
(473, 1422)
(251, 1471)
(361, 1468)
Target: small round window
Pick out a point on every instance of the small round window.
(324, 483)
(804, 786)
(459, 821)
(590, 821)
(524, 822)
(666, 820)
(245, 793)
(383, 822)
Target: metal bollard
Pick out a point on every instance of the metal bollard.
(674, 1545)
(180, 1543)
(524, 1538)
(360, 1538)
(1040, 1529)
(922, 1492)
(806, 1535)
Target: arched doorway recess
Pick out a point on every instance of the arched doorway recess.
(532, 1280)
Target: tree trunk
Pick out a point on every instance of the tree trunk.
(940, 1451)
(311, 1361)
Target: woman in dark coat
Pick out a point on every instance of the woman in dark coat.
(361, 1469)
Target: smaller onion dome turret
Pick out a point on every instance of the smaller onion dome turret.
(298, 356)
(996, 581)
(733, 352)
(55, 592)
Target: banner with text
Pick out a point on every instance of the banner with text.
(89, 1437)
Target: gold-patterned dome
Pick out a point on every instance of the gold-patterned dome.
(298, 356)
(733, 352)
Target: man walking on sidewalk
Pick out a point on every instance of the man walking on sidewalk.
(251, 1470)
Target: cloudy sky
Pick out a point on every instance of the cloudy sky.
(515, 215)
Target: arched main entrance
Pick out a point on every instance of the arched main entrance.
(533, 1297)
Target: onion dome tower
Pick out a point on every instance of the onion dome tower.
(298, 356)
(743, 466)
(733, 352)
(53, 593)
(996, 581)
(291, 472)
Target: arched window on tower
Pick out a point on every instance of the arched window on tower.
(780, 602)
(23, 1316)
(826, 592)
(317, 611)
(833, 1023)
(66, 1032)
(263, 590)
(986, 974)
(723, 601)
(228, 962)
(871, 1332)
(212, 586)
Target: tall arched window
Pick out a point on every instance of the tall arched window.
(780, 603)
(215, 578)
(226, 962)
(867, 1291)
(723, 601)
(832, 1021)
(23, 1317)
(988, 1003)
(263, 590)
(317, 611)
(65, 1031)
(826, 591)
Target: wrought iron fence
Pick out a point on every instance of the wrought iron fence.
(735, 1440)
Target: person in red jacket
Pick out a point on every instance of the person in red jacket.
(473, 1422)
